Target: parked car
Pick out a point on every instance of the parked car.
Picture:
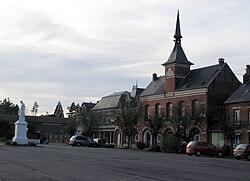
(203, 148)
(242, 151)
(80, 140)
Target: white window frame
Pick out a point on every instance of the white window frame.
(136, 137)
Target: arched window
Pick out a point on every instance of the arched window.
(169, 110)
(159, 138)
(136, 138)
(182, 108)
(157, 110)
(147, 112)
(197, 137)
(195, 108)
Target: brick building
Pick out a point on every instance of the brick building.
(185, 95)
(238, 109)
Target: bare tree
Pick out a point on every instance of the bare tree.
(127, 118)
(182, 120)
(230, 126)
(155, 124)
(35, 107)
(87, 120)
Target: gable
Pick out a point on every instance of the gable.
(110, 101)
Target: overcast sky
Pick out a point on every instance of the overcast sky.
(82, 50)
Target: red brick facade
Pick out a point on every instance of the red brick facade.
(243, 134)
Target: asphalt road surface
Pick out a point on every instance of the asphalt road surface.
(55, 162)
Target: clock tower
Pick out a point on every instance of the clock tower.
(177, 66)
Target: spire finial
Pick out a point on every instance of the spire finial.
(177, 35)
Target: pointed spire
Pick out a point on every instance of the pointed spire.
(177, 55)
(177, 35)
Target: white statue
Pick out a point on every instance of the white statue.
(21, 127)
(22, 111)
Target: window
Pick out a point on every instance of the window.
(202, 144)
(147, 112)
(237, 116)
(157, 111)
(237, 139)
(197, 137)
(195, 108)
(136, 138)
(169, 110)
(182, 108)
(159, 138)
(209, 145)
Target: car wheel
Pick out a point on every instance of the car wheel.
(237, 158)
(248, 157)
(198, 153)
(94, 145)
(78, 144)
(189, 154)
(220, 154)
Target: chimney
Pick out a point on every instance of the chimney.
(221, 61)
(246, 76)
(154, 77)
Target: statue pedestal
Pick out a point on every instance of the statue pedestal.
(20, 132)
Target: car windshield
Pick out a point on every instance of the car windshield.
(241, 146)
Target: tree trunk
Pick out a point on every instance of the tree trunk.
(129, 140)
(231, 147)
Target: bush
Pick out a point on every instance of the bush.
(140, 145)
(156, 148)
(8, 142)
(170, 143)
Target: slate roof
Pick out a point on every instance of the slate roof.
(197, 78)
(242, 94)
(88, 105)
(200, 78)
(155, 87)
(110, 101)
(177, 56)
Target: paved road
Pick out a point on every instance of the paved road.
(63, 162)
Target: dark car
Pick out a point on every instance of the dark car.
(242, 151)
(80, 140)
(203, 148)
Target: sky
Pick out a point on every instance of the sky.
(81, 50)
